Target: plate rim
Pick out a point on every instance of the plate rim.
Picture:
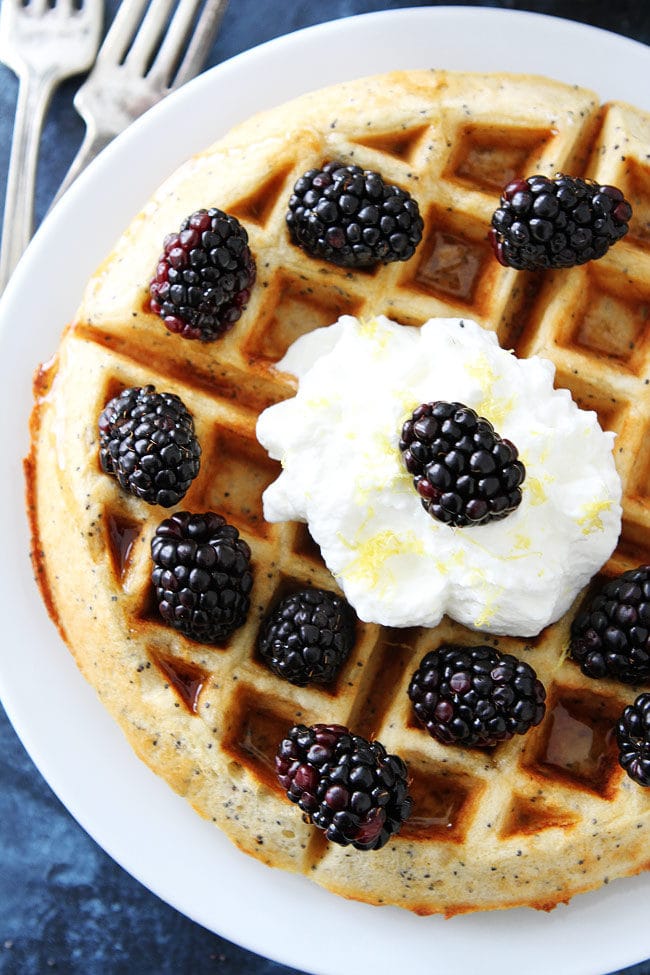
(67, 210)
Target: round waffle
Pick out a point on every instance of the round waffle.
(532, 821)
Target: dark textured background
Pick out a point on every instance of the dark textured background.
(65, 906)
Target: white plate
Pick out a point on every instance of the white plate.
(81, 753)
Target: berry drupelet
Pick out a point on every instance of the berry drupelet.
(476, 696)
(347, 786)
(201, 575)
(610, 636)
(204, 276)
(351, 217)
(633, 737)
(147, 441)
(464, 472)
(308, 636)
(556, 222)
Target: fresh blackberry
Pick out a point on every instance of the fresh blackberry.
(464, 472)
(476, 696)
(346, 785)
(610, 637)
(147, 441)
(633, 737)
(544, 222)
(349, 216)
(202, 575)
(204, 276)
(308, 636)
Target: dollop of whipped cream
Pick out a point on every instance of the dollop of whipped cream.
(338, 443)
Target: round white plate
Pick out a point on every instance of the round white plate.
(133, 815)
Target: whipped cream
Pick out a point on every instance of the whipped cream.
(343, 474)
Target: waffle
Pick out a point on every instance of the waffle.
(532, 821)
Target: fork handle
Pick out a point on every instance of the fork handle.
(94, 141)
(34, 93)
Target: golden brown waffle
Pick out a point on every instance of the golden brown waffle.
(532, 821)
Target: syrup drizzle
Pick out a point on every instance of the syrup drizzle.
(580, 744)
(257, 735)
(489, 162)
(451, 266)
(438, 806)
(186, 679)
(122, 535)
(403, 145)
(259, 205)
(390, 661)
(530, 815)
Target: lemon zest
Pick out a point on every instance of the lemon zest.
(374, 552)
(535, 491)
(493, 408)
(486, 614)
(591, 520)
(392, 475)
(374, 330)
(319, 402)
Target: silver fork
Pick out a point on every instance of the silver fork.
(42, 44)
(150, 50)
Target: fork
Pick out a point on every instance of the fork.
(150, 50)
(43, 43)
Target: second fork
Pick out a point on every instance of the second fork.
(150, 50)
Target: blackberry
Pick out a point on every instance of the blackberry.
(633, 737)
(308, 636)
(464, 472)
(202, 575)
(349, 216)
(147, 441)
(204, 276)
(476, 696)
(345, 785)
(610, 637)
(544, 222)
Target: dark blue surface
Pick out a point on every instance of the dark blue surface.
(65, 906)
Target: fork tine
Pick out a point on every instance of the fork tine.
(199, 43)
(77, 8)
(68, 8)
(121, 32)
(141, 25)
(174, 41)
(148, 37)
(36, 7)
